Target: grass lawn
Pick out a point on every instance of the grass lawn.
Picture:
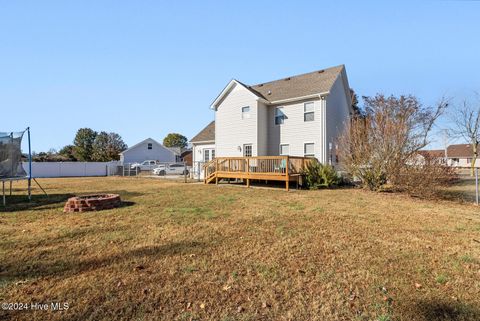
(194, 252)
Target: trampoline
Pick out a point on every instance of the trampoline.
(11, 168)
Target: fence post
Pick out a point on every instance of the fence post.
(476, 185)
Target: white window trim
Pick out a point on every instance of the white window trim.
(246, 115)
(249, 144)
(205, 150)
(308, 112)
(308, 155)
(149, 146)
(275, 116)
(280, 149)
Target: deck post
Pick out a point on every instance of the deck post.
(287, 186)
(216, 171)
(248, 182)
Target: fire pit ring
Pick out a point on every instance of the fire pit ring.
(96, 202)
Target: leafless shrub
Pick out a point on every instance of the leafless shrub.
(382, 146)
(424, 177)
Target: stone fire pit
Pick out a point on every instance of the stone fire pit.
(92, 203)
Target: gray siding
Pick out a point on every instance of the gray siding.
(338, 114)
(139, 153)
(231, 130)
(295, 131)
(263, 119)
(331, 114)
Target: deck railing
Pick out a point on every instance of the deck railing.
(272, 166)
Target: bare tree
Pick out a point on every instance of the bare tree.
(381, 146)
(466, 120)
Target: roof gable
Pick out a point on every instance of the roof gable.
(205, 135)
(228, 89)
(291, 88)
(313, 83)
(148, 140)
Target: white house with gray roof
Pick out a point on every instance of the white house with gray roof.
(149, 149)
(300, 115)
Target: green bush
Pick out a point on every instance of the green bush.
(318, 176)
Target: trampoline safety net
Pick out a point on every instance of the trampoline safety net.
(11, 155)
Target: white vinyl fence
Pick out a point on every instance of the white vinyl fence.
(72, 169)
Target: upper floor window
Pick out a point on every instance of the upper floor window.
(279, 116)
(246, 112)
(308, 112)
(284, 149)
(469, 160)
(149, 146)
(309, 149)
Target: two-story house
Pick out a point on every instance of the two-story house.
(298, 116)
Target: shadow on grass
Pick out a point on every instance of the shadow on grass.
(275, 184)
(17, 203)
(447, 311)
(20, 270)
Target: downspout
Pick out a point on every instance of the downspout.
(324, 129)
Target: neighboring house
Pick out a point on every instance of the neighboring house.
(458, 155)
(186, 157)
(432, 154)
(461, 155)
(148, 149)
(298, 116)
(203, 148)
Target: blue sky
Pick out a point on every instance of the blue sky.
(147, 68)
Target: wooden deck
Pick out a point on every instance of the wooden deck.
(266, 168)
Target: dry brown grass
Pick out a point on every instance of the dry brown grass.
(196, 252)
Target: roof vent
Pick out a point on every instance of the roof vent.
(287, 79)
(261, 85)
(269, 92)
(320, 71)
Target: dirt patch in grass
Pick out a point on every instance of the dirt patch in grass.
(196, 252)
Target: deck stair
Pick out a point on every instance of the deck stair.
(268, 168)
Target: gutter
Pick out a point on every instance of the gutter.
(319, 95)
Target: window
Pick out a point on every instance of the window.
(284, 149)
(247, 150)
(149, 146)
(279, 116)
(469, 160)
(308, 112)
(208, 154)
(245, 112)
(309, 149)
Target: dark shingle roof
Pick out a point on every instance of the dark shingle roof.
(298, 86)
(432, 153)
(460, 151)
(206, 134)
